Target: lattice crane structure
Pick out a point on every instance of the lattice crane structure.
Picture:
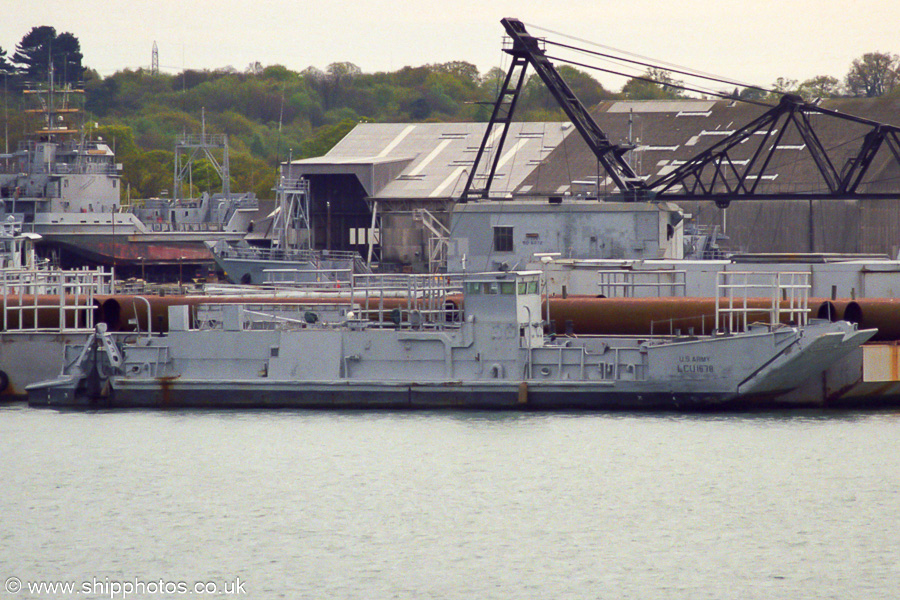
(731, 169)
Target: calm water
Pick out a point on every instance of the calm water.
(453, 505)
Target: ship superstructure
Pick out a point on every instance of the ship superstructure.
(59, 170)
(42, 308)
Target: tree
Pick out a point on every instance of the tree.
(325, 138)
(488, 90)
(336, 82)
(873, 74)
(100, 94)
(491, 82)
(40, 48)
(751, 94)
(588, 90)
(783, 85)
(655, 84)
(154, 176)
(33, 52)
(461, 70)
(252, 174)
(6, 67)
(67, 58)
(343, 70)
(822, 86)
(537, 100)
(278, 73)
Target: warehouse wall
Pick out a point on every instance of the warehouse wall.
(835, 226)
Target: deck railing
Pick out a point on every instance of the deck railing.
(51, 299)
(787, 292)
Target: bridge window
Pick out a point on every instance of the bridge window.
(503, 239)
(528, 287)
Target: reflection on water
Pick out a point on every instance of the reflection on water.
(303, 504)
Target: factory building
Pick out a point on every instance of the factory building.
(405, 179)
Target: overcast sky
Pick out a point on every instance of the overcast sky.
(752, 41)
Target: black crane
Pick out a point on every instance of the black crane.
(715, 174)
(526, 50)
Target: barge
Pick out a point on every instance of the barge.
(494, 353)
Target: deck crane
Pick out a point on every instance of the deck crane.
(730, 170)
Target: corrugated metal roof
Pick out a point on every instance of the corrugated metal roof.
(351, 160)
(677, 130)
(439, 154)
(656, 106)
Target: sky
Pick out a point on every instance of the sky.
(750, 41)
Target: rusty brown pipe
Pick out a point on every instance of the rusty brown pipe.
(41, 311)
(882, 314)
(122, 312)
(645, 316)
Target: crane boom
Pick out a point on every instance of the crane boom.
(526, 50)
(731, 169)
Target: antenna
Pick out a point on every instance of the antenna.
(6, 112)
(154, 60)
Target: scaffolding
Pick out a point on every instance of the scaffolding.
(188, 146)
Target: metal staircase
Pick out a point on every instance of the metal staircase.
(438, 240)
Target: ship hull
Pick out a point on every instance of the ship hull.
(244, 264)
(253, 272)
(204, 394)
(125, 249)
(844, 385)
(271, 369)
(29, 357)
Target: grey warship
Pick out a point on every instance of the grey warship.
(432, 348)
(64, 185)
